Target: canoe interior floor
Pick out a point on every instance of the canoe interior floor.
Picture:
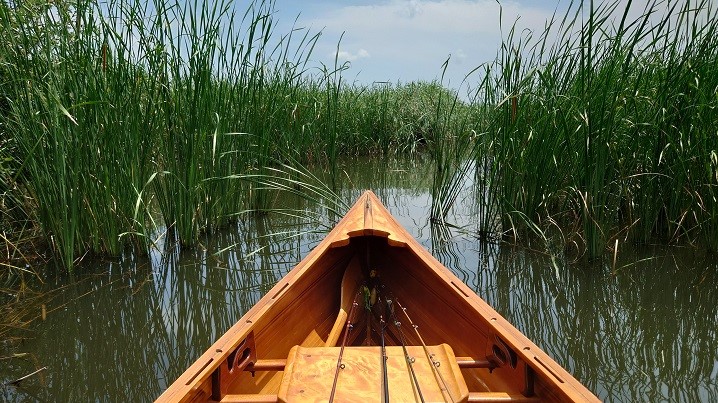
(376, 313)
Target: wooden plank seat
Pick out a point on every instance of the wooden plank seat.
(309, 375)
(500, 397)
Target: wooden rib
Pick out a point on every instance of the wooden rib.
(337, 329)
(350, 283)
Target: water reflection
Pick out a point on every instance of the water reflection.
(645, 333)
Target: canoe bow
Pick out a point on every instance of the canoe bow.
(279, 339)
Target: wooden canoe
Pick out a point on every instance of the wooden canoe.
(317, 335)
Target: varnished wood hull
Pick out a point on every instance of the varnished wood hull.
(311, 306)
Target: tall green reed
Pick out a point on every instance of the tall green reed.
(601, 125)
(449, 144)
(81, 151)
(116, 107)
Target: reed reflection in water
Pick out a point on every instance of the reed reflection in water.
(644, 333)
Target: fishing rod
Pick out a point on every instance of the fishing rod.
(347, 329)
(409, 359)
(384, 357)
(383, 360)
(374, 298)
(434, 363)
(367, 306)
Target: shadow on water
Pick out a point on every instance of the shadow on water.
(125, 330)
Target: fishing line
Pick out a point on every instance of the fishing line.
(409, 359)
(434, 363)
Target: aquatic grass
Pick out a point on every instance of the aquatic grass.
(598, 128)
(603, 122)
(192, 140)
(116, 107)
(80, 136)
(106, 98)
(13, 209)
(433, 119)
(289, 177)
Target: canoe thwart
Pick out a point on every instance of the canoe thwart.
(469, 362)
(249, 398)
(266, 365)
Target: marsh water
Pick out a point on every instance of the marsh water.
(644, 329)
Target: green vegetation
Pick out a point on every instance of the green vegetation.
(605, 128)
(121, 118)
(113, 110)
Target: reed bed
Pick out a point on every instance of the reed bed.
(122, 119)
(603, 127)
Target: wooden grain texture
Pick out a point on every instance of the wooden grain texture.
(360, 380)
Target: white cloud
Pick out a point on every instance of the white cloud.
(459, 56)
(344, 55)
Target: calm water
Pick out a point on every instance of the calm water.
(123, 330)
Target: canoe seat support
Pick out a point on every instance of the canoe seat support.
(266, 365)
(499, 353)
(499, 397)
(237, 361)
(469, 362)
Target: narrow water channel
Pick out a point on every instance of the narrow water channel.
(642, 330)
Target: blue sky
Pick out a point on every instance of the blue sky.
(409, 40)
